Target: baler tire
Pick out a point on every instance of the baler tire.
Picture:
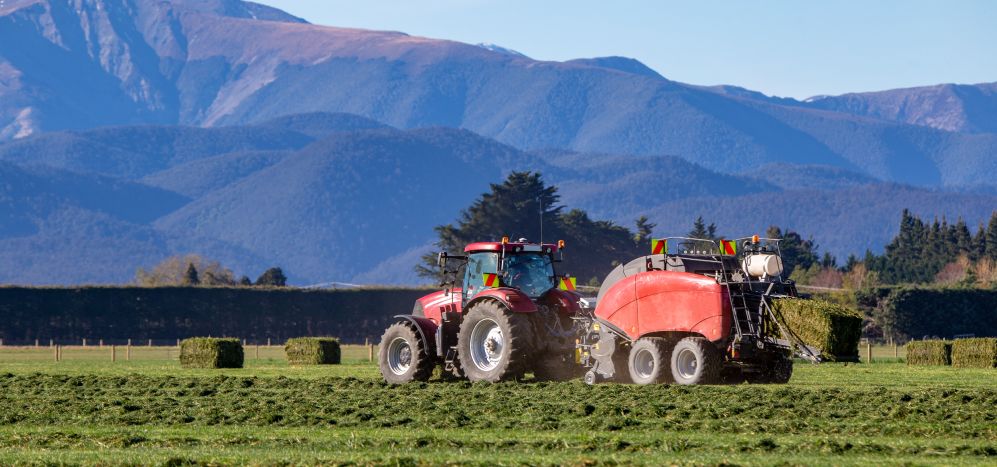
(695, 360)
(402, 355)
(649, 361)
(516, 332)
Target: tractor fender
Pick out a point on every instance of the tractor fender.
(513, 299)
(425, 327)
(562, 300)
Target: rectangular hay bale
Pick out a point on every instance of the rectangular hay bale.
(313, 351)
(930, 352)
(208, 352)
(977, 352)
(832, 328)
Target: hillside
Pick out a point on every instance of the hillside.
(225, 62)
(341, 198)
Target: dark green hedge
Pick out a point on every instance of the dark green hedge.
(207, 352)
(169, 313)
(916, 313)
(313, 351)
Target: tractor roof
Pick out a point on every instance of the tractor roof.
(511, 247)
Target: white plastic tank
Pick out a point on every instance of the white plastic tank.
(762, 265)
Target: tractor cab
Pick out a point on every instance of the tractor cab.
(523, 266)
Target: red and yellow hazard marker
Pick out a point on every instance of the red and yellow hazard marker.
(659, 246)
(568, 283)
(728, 247)
(489, 279)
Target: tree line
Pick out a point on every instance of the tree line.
(193, 270)
(939, 253)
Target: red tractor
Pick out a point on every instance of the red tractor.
(699, 315)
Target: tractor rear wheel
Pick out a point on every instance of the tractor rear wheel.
(648, 363)
(403, 356)
(695, 360)
(494, 344)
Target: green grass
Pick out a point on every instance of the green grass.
(150, 411)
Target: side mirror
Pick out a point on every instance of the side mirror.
(441, 259)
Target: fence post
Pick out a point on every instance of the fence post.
(149, 343)
(1, 342)
(114, 357)
(51, 342)
(100, 343)
(84, 342)
(868, 352)
(128, 351)
(257, 351)
(36, 344)
(268, 342)
(55, 353)
(178, 343)
(370, 353)
(896, 350)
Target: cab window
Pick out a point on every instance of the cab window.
(478, 264)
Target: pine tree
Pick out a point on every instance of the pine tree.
(644, 230)
(190, 277)
(703, 231)
(796, 252)
(828, 261)
(991, 241)
(979, 244)
(963, 239)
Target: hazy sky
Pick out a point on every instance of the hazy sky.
(789, 48)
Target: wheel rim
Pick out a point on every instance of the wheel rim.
(644, 363)
(399, 356)
(686, 363)
(487, 343)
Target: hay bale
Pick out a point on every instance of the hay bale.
(977, 352)
(313, 351)
(207, 352)
(932, 352)
(830, 327)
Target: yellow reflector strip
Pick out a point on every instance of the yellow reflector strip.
(490, 280)
(659, 246)
(567, 283)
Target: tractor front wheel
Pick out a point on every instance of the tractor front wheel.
(696, 360)
(494, 343)
(403, 356)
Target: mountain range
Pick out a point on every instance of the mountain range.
(135, 129)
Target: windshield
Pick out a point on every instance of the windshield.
(531, 273)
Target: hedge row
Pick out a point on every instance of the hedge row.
(979, 352)
(168, 313)
(913, 313)
(832, 328)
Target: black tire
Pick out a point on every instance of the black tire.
(695, 360)
(494, 344)
(403, 356)
(553, 367)
(649, 361)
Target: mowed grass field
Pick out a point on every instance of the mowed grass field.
(89, 410)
